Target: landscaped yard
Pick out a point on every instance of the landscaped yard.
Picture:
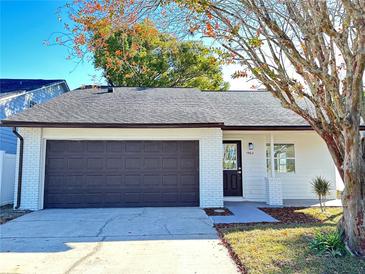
(284, 247)
(7, 213)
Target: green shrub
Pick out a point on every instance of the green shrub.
(321, 187)
(329, 244)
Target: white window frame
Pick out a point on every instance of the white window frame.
(31, 103)
(277, 160)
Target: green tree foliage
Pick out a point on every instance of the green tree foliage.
(143, 56)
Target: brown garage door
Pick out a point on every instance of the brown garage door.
(121, 174)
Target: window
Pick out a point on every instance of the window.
(230, 157)
(31, 103)
(284, 158)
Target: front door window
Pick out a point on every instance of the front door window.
(230, 157)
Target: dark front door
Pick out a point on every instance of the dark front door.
(232, 168)
(121, 174)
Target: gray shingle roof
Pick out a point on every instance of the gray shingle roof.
(257, 108)
(164, 106)
(124, 106)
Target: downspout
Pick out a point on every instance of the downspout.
(20, 167)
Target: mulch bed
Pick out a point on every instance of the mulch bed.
(239, 225)
(212, 211)
(289, 215)
(7, 213)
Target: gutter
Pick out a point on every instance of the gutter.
(7, 123)
(20, 167)
(268, 128)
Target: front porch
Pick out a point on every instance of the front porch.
(274, 167)
(236, 155)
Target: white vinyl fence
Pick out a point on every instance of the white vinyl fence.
(7, 177)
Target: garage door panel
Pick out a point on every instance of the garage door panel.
(114, 147)
(75, 163)
(188, 179)
(170, 147)
(56, 163)
(152, 163)
(112, 198)
(170, 181)
(170, 163)
(95, 163)
(73, 147)
(132, 181)
(95, 146)
(114, 163)
(170, 197)
(151, 197)
(154, 147)
(133, 146)
(114, 180)
(133, 163)
(132, 197)
(57, 147)
(188, 147)
(121, 173)
(187, 163)
(151, 180)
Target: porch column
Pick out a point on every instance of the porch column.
(274, 187)
(272, 155)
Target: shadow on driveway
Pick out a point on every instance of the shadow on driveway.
(50, 230)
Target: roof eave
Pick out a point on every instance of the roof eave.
(6, 123)
(274, 127)
(271, 127)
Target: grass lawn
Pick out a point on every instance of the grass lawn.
(284, 248)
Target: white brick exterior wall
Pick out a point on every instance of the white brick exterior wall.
(210, 142)
(31, 183)
(274, 192)
(211, 172)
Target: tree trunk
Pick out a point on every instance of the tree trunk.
(324, 203)
(320, 202)
(352, 224)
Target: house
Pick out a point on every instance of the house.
(17, 95)
(130, 147)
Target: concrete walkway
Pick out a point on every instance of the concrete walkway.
(243, 212)
(134, 240)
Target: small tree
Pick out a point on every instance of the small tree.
(321, 187)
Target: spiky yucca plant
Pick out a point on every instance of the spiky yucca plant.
(321, 187)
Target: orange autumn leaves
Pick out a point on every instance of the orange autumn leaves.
(93, 21)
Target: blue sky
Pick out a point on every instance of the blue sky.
(25, 25)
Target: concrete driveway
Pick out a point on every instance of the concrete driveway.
(117, 240)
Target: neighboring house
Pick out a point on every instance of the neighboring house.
(17, 95)
(127, 147)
